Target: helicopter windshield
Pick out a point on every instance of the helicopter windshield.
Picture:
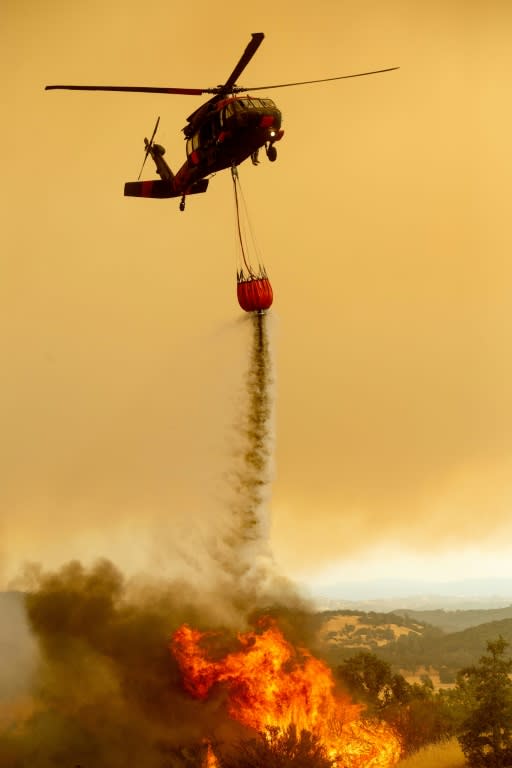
(247, 102)
(252, 103)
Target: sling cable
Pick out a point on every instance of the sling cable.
(254, 291)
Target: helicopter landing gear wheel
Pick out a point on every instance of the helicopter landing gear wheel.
(182, 203)
(272, 153)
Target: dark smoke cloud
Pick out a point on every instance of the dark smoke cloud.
(107, 691)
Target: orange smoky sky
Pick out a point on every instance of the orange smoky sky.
(385, 228)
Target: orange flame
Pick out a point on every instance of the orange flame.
(210, 760)
(271, 683)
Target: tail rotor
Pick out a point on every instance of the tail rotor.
(149, 145)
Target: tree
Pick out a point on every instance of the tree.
(486, 734)
(278, 748)
(415, 711)
(369, 679)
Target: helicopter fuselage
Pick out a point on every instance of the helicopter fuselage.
(231, 130)
(221, 134)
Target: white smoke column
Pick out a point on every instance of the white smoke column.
(19, 652)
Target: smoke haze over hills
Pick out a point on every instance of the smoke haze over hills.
(387, 594)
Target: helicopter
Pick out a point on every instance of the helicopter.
(222, 133)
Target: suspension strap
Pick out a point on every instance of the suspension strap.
(234, 175)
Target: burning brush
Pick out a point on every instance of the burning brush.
(272, 686)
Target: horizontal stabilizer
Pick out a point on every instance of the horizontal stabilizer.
(161, 188)
(152, 188)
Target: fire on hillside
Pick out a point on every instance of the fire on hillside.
(271, 684)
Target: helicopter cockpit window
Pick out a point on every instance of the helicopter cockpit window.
(231, 108)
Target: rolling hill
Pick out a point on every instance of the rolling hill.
(407, 643)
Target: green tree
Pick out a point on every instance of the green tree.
(418, 713)
(278, 748)
(369, 679)
(486, 734)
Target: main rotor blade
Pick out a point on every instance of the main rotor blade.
(133, 89)
(308, 82)
(252, 47)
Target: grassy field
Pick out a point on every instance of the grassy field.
(444, 755)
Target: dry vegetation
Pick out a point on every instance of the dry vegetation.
(443, 755)
(354, 631)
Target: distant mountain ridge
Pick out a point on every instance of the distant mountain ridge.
(456, 621)
(450, 652)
